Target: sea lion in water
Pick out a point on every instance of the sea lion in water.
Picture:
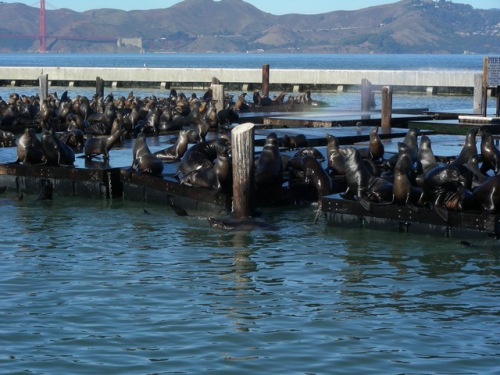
(361, 183)
(144, 160)
(29, 148)
(239, 224)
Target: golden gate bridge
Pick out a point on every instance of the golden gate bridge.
(43, 37)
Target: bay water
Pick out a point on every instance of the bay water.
(118, 287)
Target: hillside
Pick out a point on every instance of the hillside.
(408, 26)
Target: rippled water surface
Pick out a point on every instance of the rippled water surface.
(116, 287)
(112, 287)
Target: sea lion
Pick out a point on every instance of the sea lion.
(410, 140)
(313, 174)
(239, 224)
(487, 196)
(310, 151)
(335, 159)
(7, 139)
(444, 187)
(425, 156)
(201, 155)
(404, 192)
(177, 150)
(29, 148)
(361, 184)
(218, 177)
(469, 148)
(375, 150)
(144, 160)
(268, 166)
(101, 145)
(56, 152)
(478, 178)
(490, 153)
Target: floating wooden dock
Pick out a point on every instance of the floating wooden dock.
(346, 213)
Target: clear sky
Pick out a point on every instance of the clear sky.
(269, 6)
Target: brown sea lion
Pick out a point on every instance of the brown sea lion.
(144, 160)
(201, 155)
(312, 174)
(29, 148)
(469, 148)
(101, 145)
(361, 184)
(335, 159)
(490, 153)
(177, 150)
(310, 151)
(56, 152)
(486, 196)
(404, 192)
(268, 166)
(425, 156)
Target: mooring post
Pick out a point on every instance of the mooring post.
(366, 95)
(43, 80)
(265, 80)
(386, 107)
(484, 109)
(497, 114)
(478, 92)
(99, 87)
(218, 95)
(242, 150)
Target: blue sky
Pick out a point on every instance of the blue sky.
(269, 6)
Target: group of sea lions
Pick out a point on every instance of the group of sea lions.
(413, 177)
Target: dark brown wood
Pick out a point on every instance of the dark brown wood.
(242, 149)
(366, 95)
(497, 114)
(265, 80)
(99, 86)
(386, 107)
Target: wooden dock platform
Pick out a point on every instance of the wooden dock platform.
(346, 213)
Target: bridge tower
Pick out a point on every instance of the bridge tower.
(43, 34)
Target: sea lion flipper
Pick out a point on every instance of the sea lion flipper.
(365, 203)
(442, 212)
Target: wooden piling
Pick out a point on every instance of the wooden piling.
(218, 95)
(386, 107)
(242, 150)
(44, 86)
(484, 109)
(265, 80)
(99, 86)
(366, 95)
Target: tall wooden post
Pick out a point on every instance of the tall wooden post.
(478, 92)
(99, 87)
(485, 87)
(218, 95)
(386, 107)
(242, 150)
(497, 114)
(43, 80)
(366, 95)
(265, 80)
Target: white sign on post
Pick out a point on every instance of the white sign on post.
(493, 71)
